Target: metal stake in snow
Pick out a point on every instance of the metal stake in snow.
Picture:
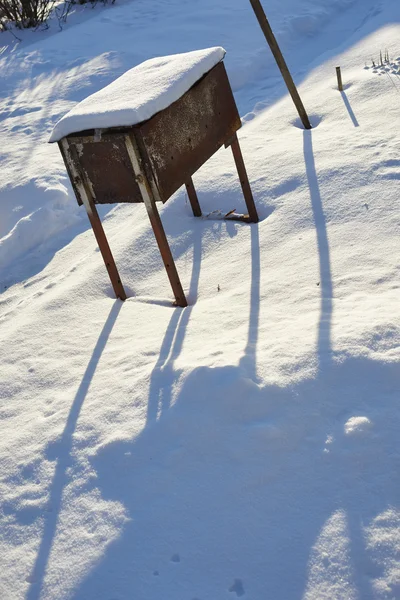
(280, 61)
(339, 79)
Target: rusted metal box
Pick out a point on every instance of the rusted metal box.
(149, 161)
(172, 145)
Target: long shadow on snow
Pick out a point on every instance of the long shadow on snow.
(324, 327)
(164, 375)
(63, 454)
(238, 481)
(356, 547)
(235, 480)
(349, 109)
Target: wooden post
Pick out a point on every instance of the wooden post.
(194, 201)
(156, 223)
(244, 180)
(280, 61)
(339, 79)
(95, 222)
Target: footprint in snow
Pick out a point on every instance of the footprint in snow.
(175, 558)
(237, 587)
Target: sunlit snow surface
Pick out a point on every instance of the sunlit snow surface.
(246, 446)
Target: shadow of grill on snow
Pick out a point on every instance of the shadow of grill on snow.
(243, 481)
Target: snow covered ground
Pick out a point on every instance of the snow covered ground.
(246, 446)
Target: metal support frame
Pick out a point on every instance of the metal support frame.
(155, 220)
(87, 199)
(194, 201)
(244, 180)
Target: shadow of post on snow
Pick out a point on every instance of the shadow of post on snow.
(163, 374)
(248, 362)
(350, 110)
(325, 283)
(62, 454)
